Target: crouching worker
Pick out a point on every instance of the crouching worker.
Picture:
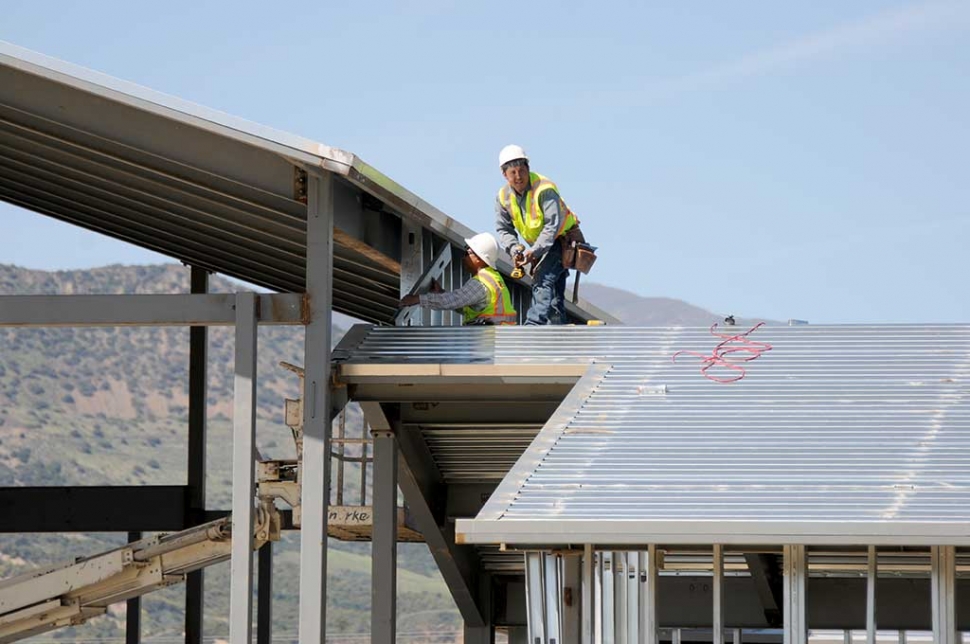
(484, 299)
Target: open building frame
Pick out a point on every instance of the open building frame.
(324, 231)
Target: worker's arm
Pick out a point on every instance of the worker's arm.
(552, 213)
(472, 294)
(507, 237)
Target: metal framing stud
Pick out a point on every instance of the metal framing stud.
(243, 472)
(795, 629)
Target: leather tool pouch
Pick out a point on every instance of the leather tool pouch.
(576, 253)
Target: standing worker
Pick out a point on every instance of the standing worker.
(483, 299)
(530, 206)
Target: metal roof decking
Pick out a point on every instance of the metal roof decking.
(197, 185)
(838, 435)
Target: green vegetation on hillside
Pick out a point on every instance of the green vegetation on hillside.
(109, 407)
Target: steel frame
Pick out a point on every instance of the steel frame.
(384, 541)
(315, 473)
(423, 490)
(195, 510)
(223, 195)
(243, 472)
(615, 609)
(135, 509)
(242, 218)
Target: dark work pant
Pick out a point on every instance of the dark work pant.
(549, 290)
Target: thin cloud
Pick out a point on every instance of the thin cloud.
(873, 31)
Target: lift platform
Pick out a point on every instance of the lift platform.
(69, 594)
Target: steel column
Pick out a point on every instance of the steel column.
(795, 629)
(943, 584)
(633, 594)
(194, 606)
(482, 634)
(315, 472)
(587, 611)
(195, 510)
(648, 605)
(718, 588)
(552, 599)
(384, 540)
(620, 603)
(871, 571)
(412, 267)
(478, 634)
(133, 608)
(535, 596)
(572, 582)
(243, 472)
(607, 623)
(264, 596)
(424, 490)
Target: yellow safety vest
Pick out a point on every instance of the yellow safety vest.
(499, 307)
(531, 224)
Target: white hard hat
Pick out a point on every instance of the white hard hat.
(511, 153)
(485, 247)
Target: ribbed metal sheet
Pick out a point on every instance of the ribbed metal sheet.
(500, 562)
(477, 453)
(839, 434)
(205, 188)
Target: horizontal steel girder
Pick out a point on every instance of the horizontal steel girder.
(142, 310)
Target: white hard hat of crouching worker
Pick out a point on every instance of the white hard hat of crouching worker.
(511, 153)
(485, 247)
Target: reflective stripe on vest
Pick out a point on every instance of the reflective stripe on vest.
(499, 307)
(532, 223)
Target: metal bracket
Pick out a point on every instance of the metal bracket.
(299, 184)
(435, 271)
(277, 480)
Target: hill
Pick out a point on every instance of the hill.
(637, 310)
(109, 407)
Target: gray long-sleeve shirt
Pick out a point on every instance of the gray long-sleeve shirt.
(507, 235)
(472, 293)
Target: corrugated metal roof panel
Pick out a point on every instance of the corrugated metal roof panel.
(838, 434)
(477, 453)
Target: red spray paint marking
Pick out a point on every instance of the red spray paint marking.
(732, 350)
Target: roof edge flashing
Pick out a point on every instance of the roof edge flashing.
(503, 496)
(293, 147)
(538, 534)
(549, 373)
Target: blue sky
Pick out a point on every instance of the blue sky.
(771, 159)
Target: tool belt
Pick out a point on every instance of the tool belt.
(576, 253)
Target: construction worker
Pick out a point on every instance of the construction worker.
(530, 206)
(483, 299)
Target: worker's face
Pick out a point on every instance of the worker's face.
(473, 263)
(518, 177)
